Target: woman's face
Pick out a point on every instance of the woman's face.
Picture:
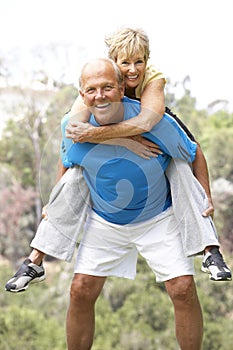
(132, 69)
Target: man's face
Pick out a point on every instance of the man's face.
(101, 92)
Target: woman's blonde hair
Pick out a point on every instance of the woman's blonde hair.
(128, 42)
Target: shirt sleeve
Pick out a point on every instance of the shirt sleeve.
(172, 139)
(184, 127)
(151, 73)
(65, 143)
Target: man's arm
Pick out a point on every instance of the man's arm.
(200, 171)
(152, 110)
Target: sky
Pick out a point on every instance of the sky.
(187, 37)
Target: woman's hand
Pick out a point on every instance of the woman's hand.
(142, 147)
(44, 213)
(210, 210)
(78, 131)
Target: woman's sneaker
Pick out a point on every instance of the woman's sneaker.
(27, 273)
(214, 264)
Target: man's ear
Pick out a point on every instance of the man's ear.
(81, 93)
(122, 90)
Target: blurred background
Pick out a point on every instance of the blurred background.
(42, 48)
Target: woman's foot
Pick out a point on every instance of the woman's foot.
(214, 264)
(26, 274)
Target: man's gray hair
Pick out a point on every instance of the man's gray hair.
(119, 76)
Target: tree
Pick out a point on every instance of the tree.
(185, 106)
(223, 200)
(16, 220)
(218, 151)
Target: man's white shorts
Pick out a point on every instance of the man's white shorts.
(108, 249)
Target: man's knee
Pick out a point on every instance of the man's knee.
(85, 288)
(181, 288)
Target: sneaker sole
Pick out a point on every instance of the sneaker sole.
(221, 279)
(35, 280)
(204, 269)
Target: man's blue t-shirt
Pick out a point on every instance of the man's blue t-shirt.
(124, 187)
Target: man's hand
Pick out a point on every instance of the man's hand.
(78, 131)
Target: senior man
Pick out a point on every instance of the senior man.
(131, 212)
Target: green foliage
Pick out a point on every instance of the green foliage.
(16, 220)
(17, 151)
(138, 312)
(57, 108)
(29, 153)
(216, 300)
(22, 328)
(217, 136)
(130, 315)
(35, 134)
(142, 318)
(60, 104)
(185, 108)
(24, 322)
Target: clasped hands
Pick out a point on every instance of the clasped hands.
(78, 131)
(82, 132)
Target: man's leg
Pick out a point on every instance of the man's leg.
(188, 314)
(80, 323)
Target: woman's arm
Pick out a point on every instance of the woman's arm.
(137, 144)
(152, 110)
(61, 170)
(79, 115)
(79, 111)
